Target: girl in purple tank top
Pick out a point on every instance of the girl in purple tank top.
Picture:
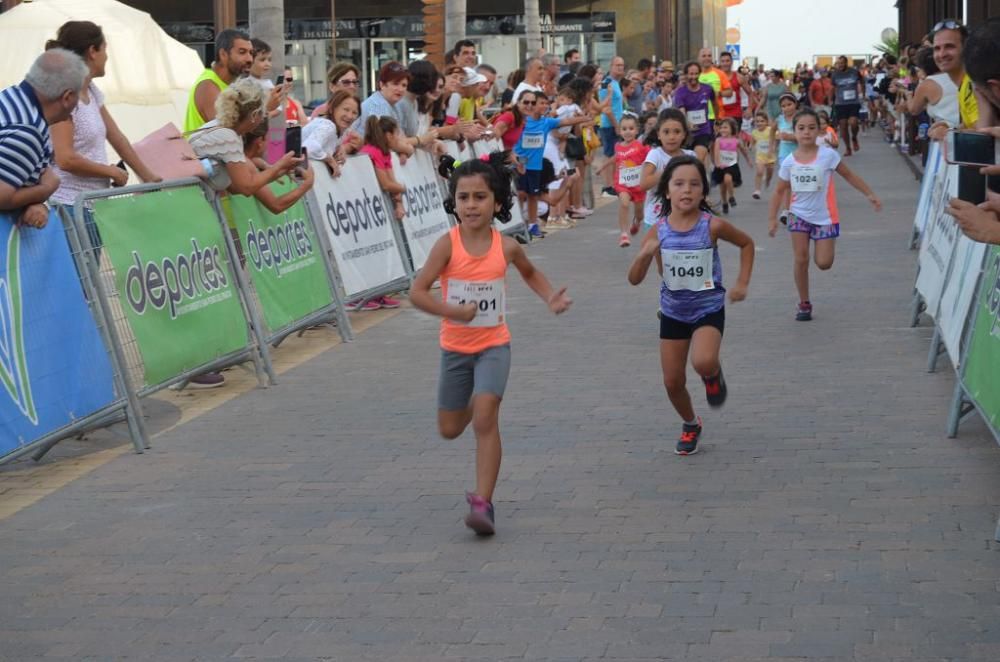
(692, 298)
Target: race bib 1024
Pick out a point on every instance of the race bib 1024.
(688, 270)
(489, 297)
(806, 179)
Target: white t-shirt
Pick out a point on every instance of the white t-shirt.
(813, 199)
(524, 86)
(660, 159)
(320, 138)
(571, 110)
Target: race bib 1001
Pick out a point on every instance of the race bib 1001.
(629, 177)
(728, 158)
(533, 141)
(806, 179)
(489, 297)
(697, 117)
(688, 270)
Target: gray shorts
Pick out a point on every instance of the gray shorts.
(465, 375)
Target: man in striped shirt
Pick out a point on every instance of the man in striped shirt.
(48, 95)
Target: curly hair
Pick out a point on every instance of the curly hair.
(662, 191)
(237, 102)
(495, 175)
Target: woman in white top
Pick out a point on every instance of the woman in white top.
(79, 143)
(937, 93)
(238, 110)
(328, 137)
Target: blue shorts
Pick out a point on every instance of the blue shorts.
(530, 182)
(815, 232)
(608, 140)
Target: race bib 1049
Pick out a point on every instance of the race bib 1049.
(629, 177)
(533, 141)
(806, 179)
(688, 270)
(697, 117)
(489, 297)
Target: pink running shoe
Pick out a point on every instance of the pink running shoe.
(368, 306)
(623, 241)
(388, 302)
(480, 517)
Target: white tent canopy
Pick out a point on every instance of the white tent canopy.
(148, 74)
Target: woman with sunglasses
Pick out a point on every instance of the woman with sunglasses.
(509, 124)
(341, 76)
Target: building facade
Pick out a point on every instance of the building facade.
(369, 34)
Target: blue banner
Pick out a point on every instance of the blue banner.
(54, 368)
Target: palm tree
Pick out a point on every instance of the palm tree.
(533, 27)
(888, 46)
(454, 22)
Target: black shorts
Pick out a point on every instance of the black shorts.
(530, 182)
(846, 111)
(673, 329)
(719, 173)
(705, 140)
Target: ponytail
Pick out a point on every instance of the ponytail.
(377, 130)
(78, 37)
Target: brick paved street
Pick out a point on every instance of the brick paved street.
(828, 517)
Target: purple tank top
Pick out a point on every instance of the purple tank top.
(688, 292)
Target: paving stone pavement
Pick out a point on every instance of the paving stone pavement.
(828, 517)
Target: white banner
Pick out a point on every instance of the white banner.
(425, 219)
(933, 170)
(959, 290)
(357, 222)
(937, 243)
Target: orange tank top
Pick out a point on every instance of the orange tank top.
(479, 279)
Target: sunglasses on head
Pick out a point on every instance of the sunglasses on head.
(947, 25)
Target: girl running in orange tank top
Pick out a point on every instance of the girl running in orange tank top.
(471, 262)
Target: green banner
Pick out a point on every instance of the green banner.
(174, 279)
(982, 362)
(283, 257)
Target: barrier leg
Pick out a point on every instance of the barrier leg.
(99, 304)
(936, 348)
(916, 307)
(262, 357)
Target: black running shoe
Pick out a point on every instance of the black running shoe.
(715, 390)
(804, 312)
(732, 202)
(784, 217)
(688, 443)
(725, 208)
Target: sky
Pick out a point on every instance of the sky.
(783, 32)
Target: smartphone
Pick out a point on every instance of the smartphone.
(570, 171)
(293, 140)
(280, 80)
(970, 148)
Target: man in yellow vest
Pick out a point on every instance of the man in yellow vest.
(718, 81)
(233, 58)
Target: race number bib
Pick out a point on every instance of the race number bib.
(763, 148)
(489, 297)
(806, 179)
(697, 117)
(728, 159)
(533, 141)
(629, 177)
(688, 270)
(850, 95)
